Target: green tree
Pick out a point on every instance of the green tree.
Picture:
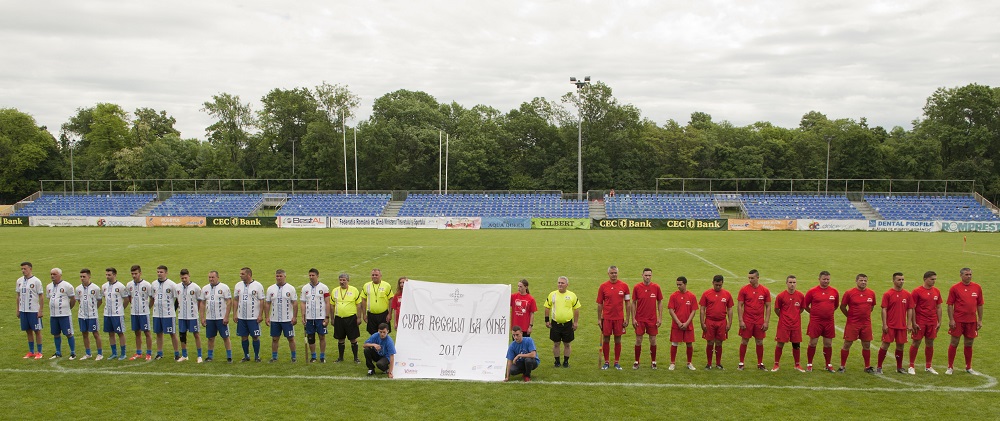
(28, 153)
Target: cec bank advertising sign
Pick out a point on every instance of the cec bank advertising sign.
(452, 331)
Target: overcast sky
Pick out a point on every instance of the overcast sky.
(741, 61)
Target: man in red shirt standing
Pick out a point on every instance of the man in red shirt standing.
(612, 298)
(683, 304)
(716, 320)
(754, 310)
(857, 305)
(897, 321)
(926, 320)
(965, 317)
(647, 314)
(821, 303)
(788, 306)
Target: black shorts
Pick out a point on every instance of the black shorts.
(346, 327)
(562, 332)
(376, 319)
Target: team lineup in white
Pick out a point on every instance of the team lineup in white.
(179, 309)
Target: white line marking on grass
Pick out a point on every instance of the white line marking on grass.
(982, 254)
(65, 371)
(730, 273)
(392, 249)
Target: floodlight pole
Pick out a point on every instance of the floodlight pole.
(446, 143)
(828, 139)
(579, 144)
(355, 160)
(72, 175)
(343, 129)
(440, 137)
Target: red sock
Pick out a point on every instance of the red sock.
(673, 354)
(867, 354)
(638, 351)
(760, 354)
(652, 353)
(828, 354)
(810, 353)
(618, 351)
(928, 355)
(605, 348)
(718, 354)
(968, 357)
(899, 358)
(743, 352)
(881, 357)
(952, 350)
(913, 355)
(796, 354)
(844, 353)
(709, 350)
(690, 350)
(777, 354)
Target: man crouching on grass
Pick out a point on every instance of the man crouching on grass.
(521, 355)
(380, 351)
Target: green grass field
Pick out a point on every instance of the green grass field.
(162, 389)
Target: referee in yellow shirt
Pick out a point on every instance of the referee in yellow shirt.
(562, 316)
(375, 297)
(346, 302)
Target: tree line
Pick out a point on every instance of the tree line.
(532, 147)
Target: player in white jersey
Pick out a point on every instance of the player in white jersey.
(163, 302)
(89, 296)
(29, 308)
(284, 311)
(315, 314)
(61, 300)
(247, 312)
(141, 294)
(190, 301)
(215, 314)
(116, 298)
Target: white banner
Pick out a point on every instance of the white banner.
(459, 223)
(302, 222)
(453, 331)
(922, 226)
(380, 222)
(116, 221)
(58, 221)
(971, 226)
(832, 225)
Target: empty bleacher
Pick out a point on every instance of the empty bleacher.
(86, 205)
(661, 206)
(924, 208)
(334, 205)
(795, 206)
(513, 205)
(209, 205)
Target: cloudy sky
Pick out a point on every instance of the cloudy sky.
(741, 61)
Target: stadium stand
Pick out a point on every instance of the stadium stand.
(769, 206)
(209, 205)
(334, 205)
(514, 205)
(86, 205)
(661, 206)
(923, 208)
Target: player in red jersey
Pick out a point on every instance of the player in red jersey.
(612, 300)
(754, 310)
(965, 317)
(857, 305)
(683, 305)
(647, 314)
(522, 308)
(821, 303)
(716, 307)
(788, 306)
(926, 320)
(897, 321)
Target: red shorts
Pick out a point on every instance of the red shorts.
(613, 327)
(715, 330)
(783, 334)
(894, 335)
(853, 332)
(823, 328)
(646, 328)
(964, 329)
(677, 335)
(925, 331)
(752, 331)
